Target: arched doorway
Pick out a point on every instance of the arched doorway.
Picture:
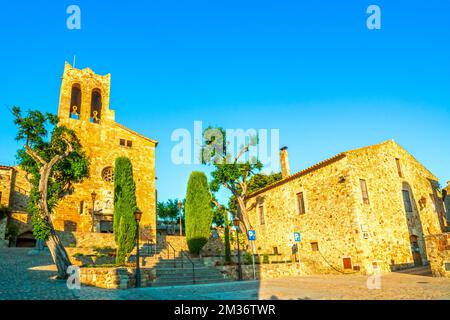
(415, 250)
(26, 240)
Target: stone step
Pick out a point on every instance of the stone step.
(165, 283)
(204, 273)
(180, 276)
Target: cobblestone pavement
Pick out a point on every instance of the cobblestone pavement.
(24, 276)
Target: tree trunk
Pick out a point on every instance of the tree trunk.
(57, 250)
(243, 215)
(59, 253)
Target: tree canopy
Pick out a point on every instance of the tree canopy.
(54, 161)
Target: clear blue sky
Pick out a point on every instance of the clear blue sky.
(309, 68)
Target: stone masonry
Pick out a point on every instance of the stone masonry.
(358, 211)
(84, 107)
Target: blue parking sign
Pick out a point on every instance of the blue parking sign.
(297, 237)
(251, 234)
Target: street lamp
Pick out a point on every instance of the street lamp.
(180, 205)
(137, 217)
(236, 222)
(93, 196)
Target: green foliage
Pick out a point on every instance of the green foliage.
(256, 182)
(198, 211)
(12, 231)
(248, 258)
(168, 211)
(124, 208)
(4, 211)
(43, 137)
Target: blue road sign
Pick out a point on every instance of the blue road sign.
(251, 235)
(297, 237)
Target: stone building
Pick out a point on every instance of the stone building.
(84, 107)
(446, 195)
(358, 211)
(14, 192)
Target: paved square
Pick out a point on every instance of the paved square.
(25, 276)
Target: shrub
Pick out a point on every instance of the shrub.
(124, 207)
(198, 212)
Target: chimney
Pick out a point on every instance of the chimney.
(284, 161)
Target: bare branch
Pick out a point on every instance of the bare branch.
(34, 155)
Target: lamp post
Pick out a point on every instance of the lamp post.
(236, 222)
(93, 196)
(180, 205)
(137, 217)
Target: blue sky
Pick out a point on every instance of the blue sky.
(309, 68)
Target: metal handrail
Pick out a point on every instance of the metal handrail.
(193, 265)
(174, 254)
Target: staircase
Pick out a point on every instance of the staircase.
(418, 271)
(176, 268)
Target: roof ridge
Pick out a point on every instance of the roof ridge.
(136, 133)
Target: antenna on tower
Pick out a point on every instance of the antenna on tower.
(74, 60)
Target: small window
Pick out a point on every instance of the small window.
(70, 226)
(347, 263)
(314, 246)
(399, 167)
(407, 201)
(75, 102)
(81, 207)
(96, 106)
(262, 220)
(275, 250)
(301, 203)
(122, 142)
(364, 191)
(129, 143)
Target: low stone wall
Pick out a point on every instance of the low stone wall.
(90, 256)
(87, 239)
(264, 271)
(179, 243)
(115, 278)
(438, 249)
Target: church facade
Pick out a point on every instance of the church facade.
(84, 107)
(359, 211)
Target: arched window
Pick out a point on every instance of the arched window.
(96, 106)
(75, 102)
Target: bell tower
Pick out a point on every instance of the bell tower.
(84, 96)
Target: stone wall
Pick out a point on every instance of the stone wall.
(115, 278)
(388, 228)
(328, 221)
(178, 243)
(438, 247)
(6, 177)
(339, 231)
(87, 239)
(264, 271)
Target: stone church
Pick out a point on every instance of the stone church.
(360, 211)
(84, 107)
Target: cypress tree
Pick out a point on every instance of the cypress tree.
(124, 207)
(198, 212)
